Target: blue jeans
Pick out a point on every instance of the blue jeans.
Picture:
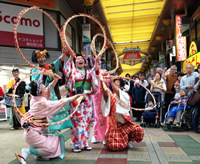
(196, 117)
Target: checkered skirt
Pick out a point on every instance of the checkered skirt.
(117, 139)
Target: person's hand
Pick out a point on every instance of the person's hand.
(56, 77)
(190, 86)
(65, 50)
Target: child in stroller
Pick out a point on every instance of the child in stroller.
(176, 109)
(152, 116)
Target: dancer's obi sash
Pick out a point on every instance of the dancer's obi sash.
(27, 125)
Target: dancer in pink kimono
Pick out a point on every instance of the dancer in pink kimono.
(81, 80)
(41, 144)
(100, 123)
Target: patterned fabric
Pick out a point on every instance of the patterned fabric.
(80, 132)
(117, 139)
(118, 135)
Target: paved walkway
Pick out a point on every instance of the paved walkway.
(160, 146)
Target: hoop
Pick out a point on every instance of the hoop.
(63, 36)
(93, 48)
(16, 40)
(124, 105)
(36, 123)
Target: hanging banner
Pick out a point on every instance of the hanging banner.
(180, 41)
(30, 31)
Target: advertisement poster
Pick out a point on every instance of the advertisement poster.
(30, 29)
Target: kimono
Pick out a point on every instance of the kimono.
(80, 131)
(55, 95)
(121, 129)
(100, 123)
(41, 144)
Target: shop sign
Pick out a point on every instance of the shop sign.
(43, 3)
(193, 49)
(30, 29)
(131, 49)
(180, 41)
(194, 60)
(132, 56)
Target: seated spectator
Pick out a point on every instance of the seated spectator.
(175, 112)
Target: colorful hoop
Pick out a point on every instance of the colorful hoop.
(93, 48)
(63, 36)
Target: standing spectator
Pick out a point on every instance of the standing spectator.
(197, 106)
(138, 95)
(131, 84)
(15, 119)
(188, 81)
(152, 74)
(127, 83)
(170, 80)
(142, 79)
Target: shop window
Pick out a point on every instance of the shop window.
(50, 32)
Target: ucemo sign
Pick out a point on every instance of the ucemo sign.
(30, 29)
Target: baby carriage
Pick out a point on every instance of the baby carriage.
(152, 116)
(185, 119)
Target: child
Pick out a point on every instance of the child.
(149, 105)
(42, 109)
(175, 112)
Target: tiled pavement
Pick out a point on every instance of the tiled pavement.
(160, 146)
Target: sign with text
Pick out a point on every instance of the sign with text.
(132, 56)
(194, 60)
(43, 3)
(180, 41)
(30, 29)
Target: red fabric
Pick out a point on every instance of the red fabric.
(47, 67)
(1, 92)
(117, 139)
(118, 135)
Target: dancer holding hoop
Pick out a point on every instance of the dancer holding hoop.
(42, 145)
(80, 80)
(121, 129)
(40, 57)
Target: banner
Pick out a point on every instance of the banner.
(180, 41)
(30, 29)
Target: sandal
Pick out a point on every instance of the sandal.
(88, 148)
(76, 150)
(19, 157)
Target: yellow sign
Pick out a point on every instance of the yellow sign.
(194, 60)
(193, 49)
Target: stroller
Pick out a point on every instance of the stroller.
(186, 117)
(152, 116)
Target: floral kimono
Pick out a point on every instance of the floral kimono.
(80, 131)
(121, 129)
(55, 95)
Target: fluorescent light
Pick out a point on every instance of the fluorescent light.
(138, 41)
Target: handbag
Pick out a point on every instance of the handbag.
(80, 89)
(194, 98)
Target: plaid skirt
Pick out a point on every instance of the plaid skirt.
(117, 139)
